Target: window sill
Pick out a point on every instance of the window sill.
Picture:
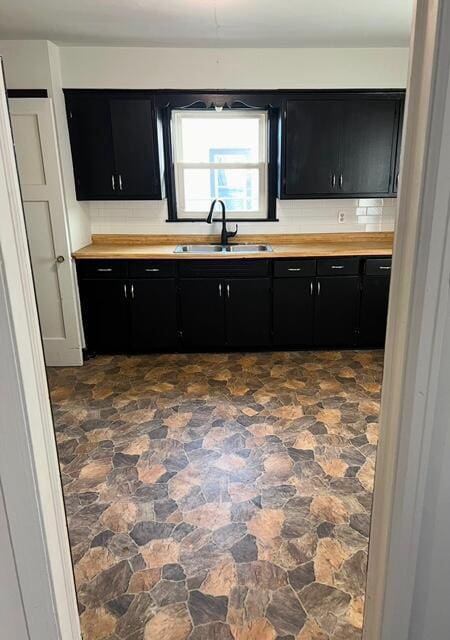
(230, 220)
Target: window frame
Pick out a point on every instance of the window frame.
(180, 166)
(167, 101)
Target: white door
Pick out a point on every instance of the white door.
(36, 147)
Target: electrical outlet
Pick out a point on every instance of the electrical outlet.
(341, 217)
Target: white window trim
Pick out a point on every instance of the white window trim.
(179, 166)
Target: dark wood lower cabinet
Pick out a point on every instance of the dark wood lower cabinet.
(202, 312)
(293, 311)
(247, 312)
(153, 314)
(106, 315)
(146, 306)
(337, 310)
(374, 309)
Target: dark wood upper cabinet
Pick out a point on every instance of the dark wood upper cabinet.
(92, 146)
(311, 147)
(114, 141)
(341, 144)
(369, 139)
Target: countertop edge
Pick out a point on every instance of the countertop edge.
(295, 246)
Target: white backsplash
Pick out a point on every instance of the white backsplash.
(295, 216)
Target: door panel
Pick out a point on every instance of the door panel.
(47, 229)
(374, 309)
(89, 121)
(45, 270)
(134, 147)
(106, 315)
(367, 146)
(312, 134)
(248, 312)
(293, 311)
(202, 312)
(336, 312)
(153, 314)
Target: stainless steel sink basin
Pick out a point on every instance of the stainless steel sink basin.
(219, 249)
(198, 248)
(247, 248)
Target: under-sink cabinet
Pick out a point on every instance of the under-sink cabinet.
(140, 306)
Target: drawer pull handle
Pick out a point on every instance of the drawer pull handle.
(311, 288)
(337, 266)
(386, 268)
(104, 270)
(318, 288)
(294, 269)
(132, 291)
(220, 289)
(228, 291)
(125, 291)
(152, 270)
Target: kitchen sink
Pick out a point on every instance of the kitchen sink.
(219, 249)
(247, 248)
(198, 248)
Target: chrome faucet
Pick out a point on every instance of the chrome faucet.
(225, 235)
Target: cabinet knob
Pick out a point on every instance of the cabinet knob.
(60, 259)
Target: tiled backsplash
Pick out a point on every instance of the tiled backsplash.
(295, 216)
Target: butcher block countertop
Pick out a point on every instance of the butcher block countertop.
(161, 247)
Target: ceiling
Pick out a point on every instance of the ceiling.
(210, 23)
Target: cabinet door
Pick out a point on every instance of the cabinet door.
(311, 154)
(374, 309)
(105, 309)
(153, 314)
(336, 312)
(248, 312)
(135, 148)
(398, 150)
(92, 148)
(202, 312)
(293, 311)
(368, 146)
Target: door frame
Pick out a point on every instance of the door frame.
(419, 293)
(67, 350)
(29, 471)
(416, 329)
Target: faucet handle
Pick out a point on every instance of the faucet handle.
(235, 231)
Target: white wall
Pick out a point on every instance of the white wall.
(35, 64)
(143, 68)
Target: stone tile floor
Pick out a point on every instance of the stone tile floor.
(219, 496)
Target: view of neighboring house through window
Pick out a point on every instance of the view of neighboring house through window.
(220, 154)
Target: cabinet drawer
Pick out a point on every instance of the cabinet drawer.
(293, 268)
(152, 269)
(226, 268)
(338, 266)
(378, 266)
(102, 269)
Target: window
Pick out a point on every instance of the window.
(220, 154)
